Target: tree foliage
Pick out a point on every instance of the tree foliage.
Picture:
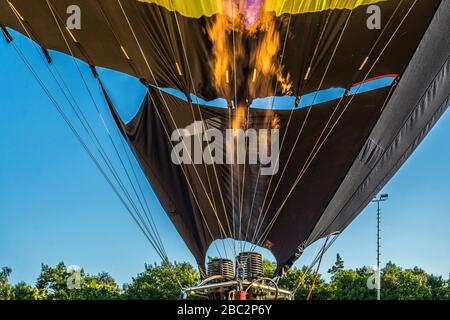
(165, 280)
(337, 267)
(54, 281)
(6, 290)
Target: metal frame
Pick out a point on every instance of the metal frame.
(235, 285)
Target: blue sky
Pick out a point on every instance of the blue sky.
(55, 205)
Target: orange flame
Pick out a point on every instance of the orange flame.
(221, 61)
(245, 60)
(240, 118)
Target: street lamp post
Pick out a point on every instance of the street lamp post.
(383, 197)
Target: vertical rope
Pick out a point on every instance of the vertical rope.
(318, 268)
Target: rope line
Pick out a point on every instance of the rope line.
(203, 123)
(171, 116)
(313, 284)
(255, 238)
(145, 209)
(280, 64)
(307, 165)
(79, 138)
(80, 116)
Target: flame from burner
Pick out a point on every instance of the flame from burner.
(245, 61)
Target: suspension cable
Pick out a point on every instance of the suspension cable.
(290, 118)
(162, 122)
(147, 214)
(258, 227)
(165, 129)
(280, 64)
(79, 138)
(314, 261)
(202, 120)
(313, 284)
(141, 199)
(230, 123)
(306, 165)
(80, 116)
(189, 99)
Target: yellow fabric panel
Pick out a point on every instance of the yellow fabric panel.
(190, 8)
(302, 6)
(198, 8)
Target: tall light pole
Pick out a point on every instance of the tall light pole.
(383, 197)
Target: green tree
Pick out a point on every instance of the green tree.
(23, 291)
(440, 288)
(296, 279)
(161, 281)
(6, 290)
(269, 268)
(98, 287)
(398, 284)
(54, 281)
(351, 285)
(300, 281)
(337, 267)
